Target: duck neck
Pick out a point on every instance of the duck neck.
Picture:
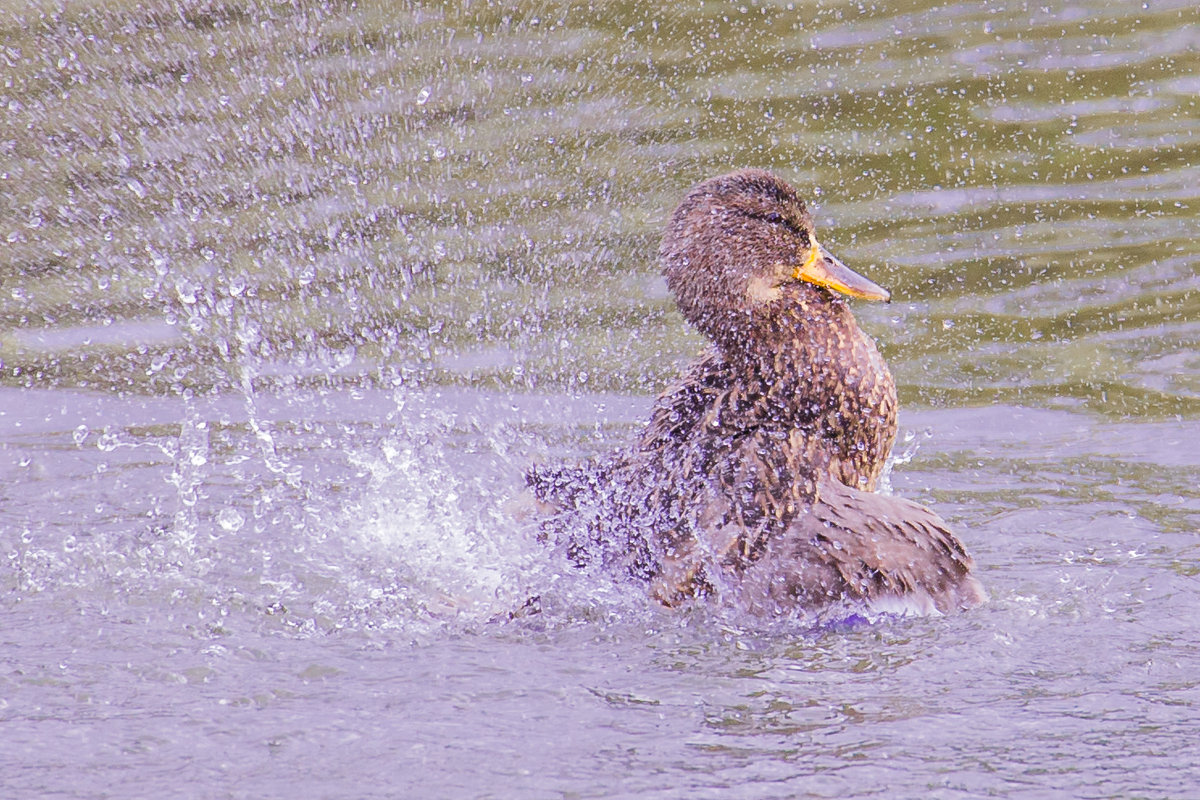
(804, 335)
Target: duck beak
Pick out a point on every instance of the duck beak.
(823, 269)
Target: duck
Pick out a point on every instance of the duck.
(755, 481)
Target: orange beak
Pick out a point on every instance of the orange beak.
(823, 269)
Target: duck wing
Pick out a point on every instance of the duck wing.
(852, 546)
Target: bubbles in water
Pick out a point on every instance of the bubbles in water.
(80, 434)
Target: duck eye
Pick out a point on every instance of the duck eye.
(775, 218)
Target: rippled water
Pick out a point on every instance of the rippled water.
(290, 295)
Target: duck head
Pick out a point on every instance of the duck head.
(739, 245)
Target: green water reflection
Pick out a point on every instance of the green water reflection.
(198, 196)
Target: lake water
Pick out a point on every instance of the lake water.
(292, 294)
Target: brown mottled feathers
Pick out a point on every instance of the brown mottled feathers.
(886, 552)
(754, 479)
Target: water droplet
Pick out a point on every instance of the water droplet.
(423, 95)
(80, 434)
(230, 520)
(186, 292)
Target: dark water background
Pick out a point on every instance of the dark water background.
(290, 295)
